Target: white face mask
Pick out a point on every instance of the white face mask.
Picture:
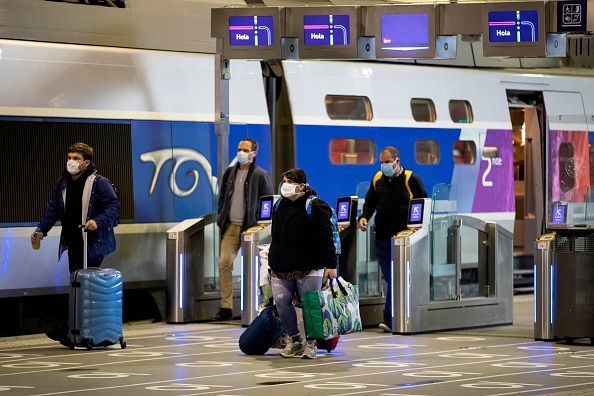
(288, 189)
(243, 157)
(72, 167)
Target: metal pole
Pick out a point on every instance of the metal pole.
(222, 76)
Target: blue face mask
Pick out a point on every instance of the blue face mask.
(388, 169)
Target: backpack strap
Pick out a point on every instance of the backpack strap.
(407, 175)
(377, 176)
(308, 204)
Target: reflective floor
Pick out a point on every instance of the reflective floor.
(204, 359)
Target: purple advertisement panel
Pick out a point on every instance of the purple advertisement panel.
(569, 165)
(494, 190)
(172, 170)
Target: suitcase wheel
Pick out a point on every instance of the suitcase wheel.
(123, 344)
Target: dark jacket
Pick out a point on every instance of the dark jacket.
(301, 243)
(390, 199)
(100, 203)
(257, 183)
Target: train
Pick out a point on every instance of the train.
(505, 141)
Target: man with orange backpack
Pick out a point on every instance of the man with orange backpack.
(391, 190)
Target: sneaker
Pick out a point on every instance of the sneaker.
(224, 314)
(292, 349)
(385, 327)
(310, 351)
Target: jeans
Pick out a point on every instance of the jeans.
(384, 258)
(230, 245)
(283, 292)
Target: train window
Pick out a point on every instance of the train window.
(352, 151)
(426, 152)
(347, 107)
(460, 111)
(566, 167)
(491, 152)
(423, 110)
(464, 152)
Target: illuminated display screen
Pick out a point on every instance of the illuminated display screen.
(405, 32)
(266, 203)
(513, 26)
(416, 213)
(254, 31)
(326, 30)
(559, 214)
(343, 210)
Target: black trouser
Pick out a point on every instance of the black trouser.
(75, 255)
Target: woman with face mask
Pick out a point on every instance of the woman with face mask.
(301, 254)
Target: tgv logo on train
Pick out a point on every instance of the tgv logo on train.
(179, 156)
(497, 161)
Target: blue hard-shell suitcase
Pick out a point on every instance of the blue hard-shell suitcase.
(95, 307)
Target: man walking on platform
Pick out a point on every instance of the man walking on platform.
(240, 191)
(390, 191)
(80, 197)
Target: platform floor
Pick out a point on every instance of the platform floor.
(204, 359)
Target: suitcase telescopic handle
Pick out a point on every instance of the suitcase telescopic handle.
(84, 229)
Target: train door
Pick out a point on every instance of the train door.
(527, 114)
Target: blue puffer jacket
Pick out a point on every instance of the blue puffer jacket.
(100, 203)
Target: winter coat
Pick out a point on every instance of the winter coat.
(301, 243)
(390, 198)
(257, 184)
(100, 203)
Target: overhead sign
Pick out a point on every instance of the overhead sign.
(514, 29)
(324, 32)
(402, 31)
(326, 29)
(249, 33)
(568, 16)
(251, 30)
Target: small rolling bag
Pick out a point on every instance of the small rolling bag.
(95, 318)
(329, 345)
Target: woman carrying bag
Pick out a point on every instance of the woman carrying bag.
(302, 254)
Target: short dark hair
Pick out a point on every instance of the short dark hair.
(392, 150)
(253, 142)
(82, 148)
(296, 175)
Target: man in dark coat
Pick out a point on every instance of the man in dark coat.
(241, 189)
(389, 194)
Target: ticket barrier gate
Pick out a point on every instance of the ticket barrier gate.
(185, 271)
(414, 311)
(250, 270)
(346, 212)
(543, 287)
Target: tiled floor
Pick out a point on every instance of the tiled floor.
(204, 359)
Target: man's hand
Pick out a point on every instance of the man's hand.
(91, 225)
(363, 224)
